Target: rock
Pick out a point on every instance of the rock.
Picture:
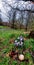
(21, 57)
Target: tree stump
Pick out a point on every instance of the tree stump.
(31, 35)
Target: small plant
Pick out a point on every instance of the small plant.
(12, 35)
(14, 63)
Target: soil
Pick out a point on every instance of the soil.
(11, 40)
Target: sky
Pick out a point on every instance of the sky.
(21, 5)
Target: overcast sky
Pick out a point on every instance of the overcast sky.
(4, 9)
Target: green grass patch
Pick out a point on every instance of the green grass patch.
(5, 36)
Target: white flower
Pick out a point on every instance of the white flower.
(21, 38)
(21, 43)
(18, 38)
(15, 41)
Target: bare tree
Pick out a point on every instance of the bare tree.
(28, 20)
(0, 19)
(14, 14)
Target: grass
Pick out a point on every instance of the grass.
(5, 46)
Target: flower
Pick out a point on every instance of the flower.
(21, 39)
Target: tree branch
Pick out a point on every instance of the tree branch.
(32, 11)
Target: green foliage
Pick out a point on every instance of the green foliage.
(32, 43)
(5, 46)
(27, 55)
(14, 62)
(22, 63)
(27, 44)
(12, 35)
(25, 35)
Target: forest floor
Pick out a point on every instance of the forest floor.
(7, 36)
